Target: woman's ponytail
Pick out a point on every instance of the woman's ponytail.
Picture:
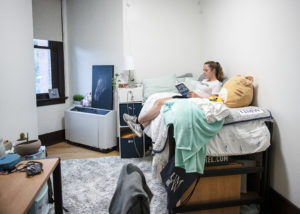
(218, 68)
(219, 72)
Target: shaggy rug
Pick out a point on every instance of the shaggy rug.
(89, 184)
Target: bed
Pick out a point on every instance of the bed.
(244, 131)
(246, 134)
(257, 193)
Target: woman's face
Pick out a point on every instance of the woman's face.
(208, 72)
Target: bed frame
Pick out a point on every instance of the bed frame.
(261, 196)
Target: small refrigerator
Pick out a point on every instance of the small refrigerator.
(91, 127)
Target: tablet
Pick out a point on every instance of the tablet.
(182, 89)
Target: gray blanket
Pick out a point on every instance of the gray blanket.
(132, 194)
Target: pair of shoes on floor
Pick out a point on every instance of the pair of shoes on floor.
(131, 122)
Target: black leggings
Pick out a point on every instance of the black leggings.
(179, 96)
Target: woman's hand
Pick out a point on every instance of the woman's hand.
(194, 95)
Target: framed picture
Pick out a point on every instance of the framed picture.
(102, 88)
(53, 93)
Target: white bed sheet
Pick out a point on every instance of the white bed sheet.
(235, 139)
(240, 139)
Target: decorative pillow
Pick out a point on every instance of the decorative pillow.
(237, 91)
(180, 79)
(185, 75)
(157, 85)
(245, 114)
(190, 83)
(202, 77)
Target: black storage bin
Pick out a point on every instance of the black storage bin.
(131, 146)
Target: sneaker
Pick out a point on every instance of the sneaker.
(127, 117)
(136, 128)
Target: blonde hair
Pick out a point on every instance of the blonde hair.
(219, 70)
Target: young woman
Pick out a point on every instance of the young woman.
(210, 86)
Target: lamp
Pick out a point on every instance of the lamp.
(129, 66)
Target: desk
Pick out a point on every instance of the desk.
(17, 192)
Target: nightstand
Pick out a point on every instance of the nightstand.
(130, 102)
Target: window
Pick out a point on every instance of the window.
(49, 71)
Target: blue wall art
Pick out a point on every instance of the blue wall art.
(102, 89)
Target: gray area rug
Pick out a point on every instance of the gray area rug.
(88, 184)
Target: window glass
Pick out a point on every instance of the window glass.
(49, 71)
(39, 42)
(42, 66)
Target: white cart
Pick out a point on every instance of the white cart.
(91, 126)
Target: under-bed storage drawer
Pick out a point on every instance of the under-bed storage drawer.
(131, 146)
(218, 188)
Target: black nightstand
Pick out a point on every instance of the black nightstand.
(130, 102)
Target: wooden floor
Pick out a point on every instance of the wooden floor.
(68, 151)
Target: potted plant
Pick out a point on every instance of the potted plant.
(26, 146)
(77, 98)
(115, 80)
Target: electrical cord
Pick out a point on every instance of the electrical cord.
(134, 143)
(189, 196)
(31, 168)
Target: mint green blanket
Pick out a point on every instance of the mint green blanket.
(192, 132)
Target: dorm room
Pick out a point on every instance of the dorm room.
(78, 78)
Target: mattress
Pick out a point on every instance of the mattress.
(244, 132)
(233, 139)
(240, 139)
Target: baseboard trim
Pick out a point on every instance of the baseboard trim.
(52, 138)
(280, 205)
(114, 148)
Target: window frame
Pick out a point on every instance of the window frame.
(57, 74)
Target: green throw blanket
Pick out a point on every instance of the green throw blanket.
(192, 132)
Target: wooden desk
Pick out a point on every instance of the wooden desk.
(17, 192)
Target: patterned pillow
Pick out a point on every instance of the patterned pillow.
(245, 114)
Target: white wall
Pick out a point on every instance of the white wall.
(163, 36)
(51, 118)
(17, 82)
(47, 19)
(94, 38)
(261, 38)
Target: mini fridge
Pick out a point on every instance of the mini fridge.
(91, 127)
